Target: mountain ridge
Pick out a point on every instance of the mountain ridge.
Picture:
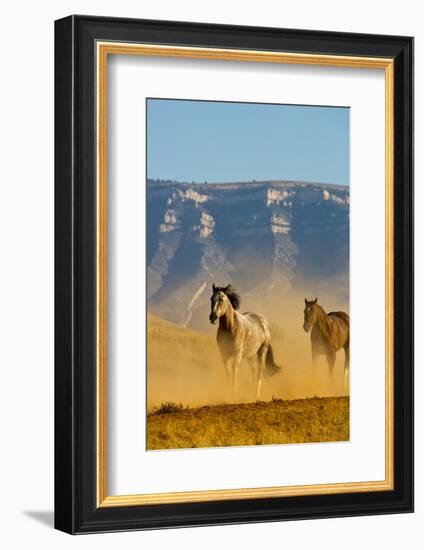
(165, 182)
(266, 237)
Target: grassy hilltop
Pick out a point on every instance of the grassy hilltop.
(261, 423)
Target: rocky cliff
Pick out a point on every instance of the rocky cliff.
(268, 238)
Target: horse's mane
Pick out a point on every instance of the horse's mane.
(231, 294)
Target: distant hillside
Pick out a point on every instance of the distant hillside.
(182, 364)
(173, 338)
(269, 238)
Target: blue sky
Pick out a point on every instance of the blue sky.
(222, 142)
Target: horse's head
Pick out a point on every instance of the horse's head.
(222, 298)
(218, 304)
(309, 314)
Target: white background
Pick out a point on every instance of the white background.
(26, 275)
(131, 468)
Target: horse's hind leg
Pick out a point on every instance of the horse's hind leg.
(260, 368)
(346, 365)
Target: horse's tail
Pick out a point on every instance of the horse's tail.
(270, 365)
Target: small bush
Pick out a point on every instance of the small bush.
(169, 407)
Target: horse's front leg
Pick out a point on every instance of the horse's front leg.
(253, 364)
(227, 365)
(226, 360)
(314, 353)
(331, 360)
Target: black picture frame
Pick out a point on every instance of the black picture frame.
(76, 510)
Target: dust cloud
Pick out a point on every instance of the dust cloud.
(184, 365)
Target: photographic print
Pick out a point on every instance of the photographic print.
(247, 274)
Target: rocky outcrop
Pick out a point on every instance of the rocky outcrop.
(266, 237)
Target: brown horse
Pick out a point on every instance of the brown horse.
(241, 336)
(329, 333)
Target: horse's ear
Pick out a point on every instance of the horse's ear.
(316, 300)
(213, 287)
(306, 302)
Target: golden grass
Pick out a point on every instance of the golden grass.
(262, 423)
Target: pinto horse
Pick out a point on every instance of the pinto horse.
(241, 336)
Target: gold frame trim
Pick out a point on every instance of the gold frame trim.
(119, 48)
